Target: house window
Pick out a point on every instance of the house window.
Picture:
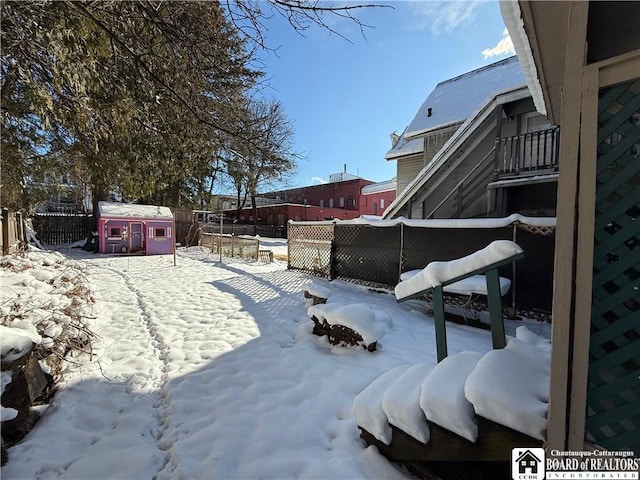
(159, 232)
(341, 202)
(381, 203)
(114, 232)
(351, 202)
(321, 203)
(331, 203)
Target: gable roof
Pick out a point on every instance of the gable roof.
(128, 210)
(466, 130)
(454, 100)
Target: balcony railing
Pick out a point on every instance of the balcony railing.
(528, 153)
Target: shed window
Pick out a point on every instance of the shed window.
(114, 231)
(159, 232)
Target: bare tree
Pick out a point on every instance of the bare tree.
(274, 159)
(249, 16)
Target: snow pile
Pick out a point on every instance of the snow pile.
(318, 291)
(368, 406)
(401, 402)
(443, 396)
(525, 335)
(17, 340)
(45, 301)
(315, 294)
(511, 386)
(437, 273)
(371, 325)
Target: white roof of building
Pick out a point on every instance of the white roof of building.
(379, 187)
(454, 100)
(128, 210)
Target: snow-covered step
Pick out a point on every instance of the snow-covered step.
(443, 398)
(510, 386)
(367, 405)
(401, 402)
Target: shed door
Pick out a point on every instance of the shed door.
(136, 237)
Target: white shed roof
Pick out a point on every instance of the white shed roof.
(128, 210)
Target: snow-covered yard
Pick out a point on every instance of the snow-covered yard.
(209, 370)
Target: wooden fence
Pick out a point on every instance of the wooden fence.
(56, 229)
(231, 245)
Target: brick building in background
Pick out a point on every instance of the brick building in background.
(344, 197)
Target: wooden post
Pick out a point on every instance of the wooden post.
(401, 249)
(437, 301)
(495, 308)
(5, 231)
(564, 294)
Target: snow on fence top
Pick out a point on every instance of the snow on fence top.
(437, 273)
(128, 210)
(443, 223)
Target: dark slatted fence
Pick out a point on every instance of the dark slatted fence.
(57, 229)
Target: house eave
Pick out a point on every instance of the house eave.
(429, 131)
(539, 34)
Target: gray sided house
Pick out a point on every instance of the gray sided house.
(477, 147)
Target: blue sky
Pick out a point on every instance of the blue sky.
(344, 99)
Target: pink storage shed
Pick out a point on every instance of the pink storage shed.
(130, 228)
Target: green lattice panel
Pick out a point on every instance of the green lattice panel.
(613, 396)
